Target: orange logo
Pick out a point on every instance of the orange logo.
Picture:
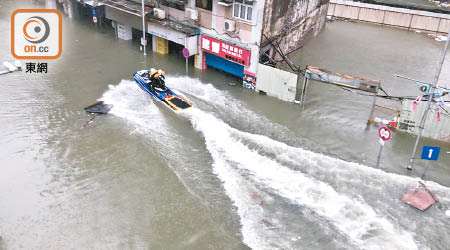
(36, 34)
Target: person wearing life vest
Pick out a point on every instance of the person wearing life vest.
(157, 78)
(152, 73)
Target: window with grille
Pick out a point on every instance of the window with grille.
(243, 9)
(204, 4)
(176, 4)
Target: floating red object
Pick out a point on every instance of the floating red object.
(420, 198)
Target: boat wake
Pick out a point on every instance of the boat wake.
(286, 197)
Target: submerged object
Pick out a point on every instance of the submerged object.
(269, 225)
(420, 198)
(11, 68)
(18, 65)
(162, 94)
(99, 108)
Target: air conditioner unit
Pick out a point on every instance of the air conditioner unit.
(191, 14)
(159, 13)
(230, 25)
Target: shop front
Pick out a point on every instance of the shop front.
(225, 56)
(167, 32)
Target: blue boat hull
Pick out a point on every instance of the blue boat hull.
(168, 96)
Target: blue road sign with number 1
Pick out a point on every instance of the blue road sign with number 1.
(430, 153)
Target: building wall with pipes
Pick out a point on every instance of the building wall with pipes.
(230, 31)
(290, 22)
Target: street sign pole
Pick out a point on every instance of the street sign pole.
(427, 163)
(385, 134)
(186, 55)
(429, 153)
(379, 153)
(143, 41)
(430, 97)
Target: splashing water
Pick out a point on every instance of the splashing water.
(291, 180)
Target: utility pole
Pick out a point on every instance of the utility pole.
(143, 40)
(430, 98)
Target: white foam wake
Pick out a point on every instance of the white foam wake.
(358, 221)
(234, 162)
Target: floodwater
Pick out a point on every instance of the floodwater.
(238, 171)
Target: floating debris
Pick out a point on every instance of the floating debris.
(420, 198)
(269, 225)
(232, 83)
(11, 68)
(261, 203)
(97, 109)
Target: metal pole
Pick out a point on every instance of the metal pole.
(379, 154)
(373, 109)
(431, 93)
(306, 89)
(144, 41)
(426, 169)
(303, 90)
(185, 45)
(408, 78)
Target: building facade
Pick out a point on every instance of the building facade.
(230, 35)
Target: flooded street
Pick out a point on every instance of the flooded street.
(238, 171)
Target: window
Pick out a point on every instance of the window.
(204, 4)
(176, 4)
(243, 9)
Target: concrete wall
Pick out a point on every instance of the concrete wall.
(124, 32)
(50, 4)
(293, 21)
(385, 15)
(174, 13)
(410, 120)
(174, 36)
(122, 17)
(276, 82)
(71, 8)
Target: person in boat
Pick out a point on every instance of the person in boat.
(157, 79)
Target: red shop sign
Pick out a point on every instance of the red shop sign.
(226, 50)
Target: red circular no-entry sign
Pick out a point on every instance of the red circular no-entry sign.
(185, 52)
(384, 133)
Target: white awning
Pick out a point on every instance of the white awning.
(93, 3)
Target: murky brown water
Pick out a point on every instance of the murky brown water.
(144, 177)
